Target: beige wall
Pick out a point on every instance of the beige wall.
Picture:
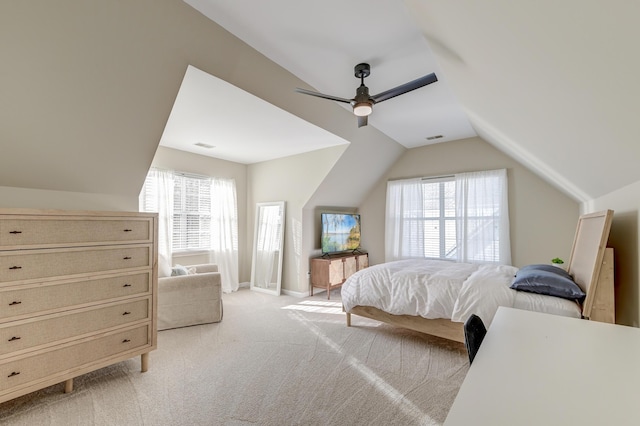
(542, 219)
(181, 161)
(65, 200)
(293, 180)
(624, 237)
(87, 95)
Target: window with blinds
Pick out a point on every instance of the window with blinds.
(462, 217)
(429, 223)
(191, 209)
(439, 216)
(191, 213)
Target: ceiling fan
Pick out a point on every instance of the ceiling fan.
(362, 103)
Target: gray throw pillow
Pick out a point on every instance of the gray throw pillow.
(549, 280)
(179, 270)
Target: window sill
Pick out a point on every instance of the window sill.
(185, 253)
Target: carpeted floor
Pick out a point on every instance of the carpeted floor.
(271, 361)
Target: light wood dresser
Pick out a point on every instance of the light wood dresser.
(78, 292)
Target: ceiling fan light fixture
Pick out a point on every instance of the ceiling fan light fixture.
(362, 103)
(362, 109)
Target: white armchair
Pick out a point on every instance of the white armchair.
(193, 299)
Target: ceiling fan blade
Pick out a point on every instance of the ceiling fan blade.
(362, 121)
(404, 88)
(320, 95)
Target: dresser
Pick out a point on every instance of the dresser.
(330, 271)
(78, 292)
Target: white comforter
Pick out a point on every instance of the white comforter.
(442, 289)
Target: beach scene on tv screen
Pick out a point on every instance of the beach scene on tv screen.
(341, 232)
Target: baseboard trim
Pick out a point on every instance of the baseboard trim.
(301, 294)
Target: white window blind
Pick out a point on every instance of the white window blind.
(191, 213)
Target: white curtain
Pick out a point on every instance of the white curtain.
(157, 196)
(268, 245)
(404, 227)
(224, 232)
(482, 217)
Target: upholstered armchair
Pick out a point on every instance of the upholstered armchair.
(190, 299)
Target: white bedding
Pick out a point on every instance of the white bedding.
(442, 289)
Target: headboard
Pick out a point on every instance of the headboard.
(588, 252)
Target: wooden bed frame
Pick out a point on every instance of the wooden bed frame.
(590, 264)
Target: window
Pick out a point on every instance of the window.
(462, 217)
(439, 219)
(191, 213)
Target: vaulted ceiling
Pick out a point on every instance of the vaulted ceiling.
(551, 83)
(88, 88)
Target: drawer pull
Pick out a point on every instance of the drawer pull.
(13, 373)
(126, 341)
(127, 285)
(127, 230)
(15, 232)
(126, 313)
(14, 338)
(16, 267)
(15, 302)
(127, 258)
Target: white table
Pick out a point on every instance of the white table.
(541, 369)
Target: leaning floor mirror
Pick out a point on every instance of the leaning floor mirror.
(268, 238)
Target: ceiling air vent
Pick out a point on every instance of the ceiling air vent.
(431, 138)
(204, 145)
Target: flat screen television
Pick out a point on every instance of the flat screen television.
(340, 232)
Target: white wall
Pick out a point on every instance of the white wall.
(624, 237)
(294, 180)
(543, 220)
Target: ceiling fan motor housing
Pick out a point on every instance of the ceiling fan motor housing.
(362, 103)
(362, 70)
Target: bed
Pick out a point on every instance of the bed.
(436, 297)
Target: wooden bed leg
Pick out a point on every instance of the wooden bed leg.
(68, 386)
(348, 319)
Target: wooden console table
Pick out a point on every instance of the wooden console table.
(330, 272)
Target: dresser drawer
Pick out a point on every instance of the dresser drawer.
(21, 265)
(31, 369)
(58, 327)
(48, 297)
(61, 231)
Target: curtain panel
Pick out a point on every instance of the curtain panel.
(157, 196)
(404, 227)
(224, 231)
(482, 217)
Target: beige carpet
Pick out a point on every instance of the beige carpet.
(271, 361)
